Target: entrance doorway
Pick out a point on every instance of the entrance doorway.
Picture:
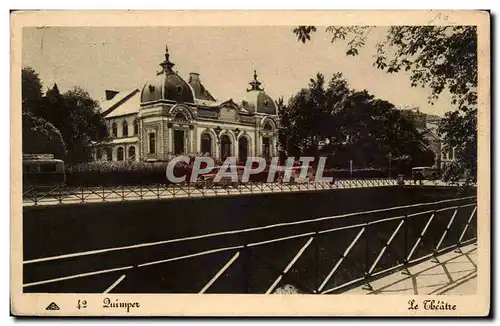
(225, 147)
(243, 149)
(178, 142)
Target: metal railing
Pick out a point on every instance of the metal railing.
(35, 196)
(359, 248)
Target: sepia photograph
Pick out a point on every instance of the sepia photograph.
(339, 160)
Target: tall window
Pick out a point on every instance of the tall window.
(206, 144)
(152, 143)
(114, 129)
(125, 128)
(109, 154)
(266, 147)
(136, 127)
(119, 154)
(131, 153)
(178, 141)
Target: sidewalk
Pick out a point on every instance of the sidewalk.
(452, 273)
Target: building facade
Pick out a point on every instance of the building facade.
(428, 125)
(169, 116)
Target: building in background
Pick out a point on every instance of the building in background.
(428, 125)
(169, 116)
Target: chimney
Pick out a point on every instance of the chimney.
(110, 94)
(194, 77)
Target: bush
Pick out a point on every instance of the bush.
(107, 173)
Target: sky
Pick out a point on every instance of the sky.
(124, 58)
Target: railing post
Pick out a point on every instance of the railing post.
(406, 229)
(367, 285)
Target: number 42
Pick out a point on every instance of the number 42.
(82, 304)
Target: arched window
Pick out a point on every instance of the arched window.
(114, 130)
(131, 153)
(109, 154)
(180, 117)
(206, 144)
(136, 127)
(125, 128)
(119, 154)
(268, 126)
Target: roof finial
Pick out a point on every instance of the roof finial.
(167, 64)
(255, 83)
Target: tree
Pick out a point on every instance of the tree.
(78, 118)
(74, 114)
(347, 125)
(31, 90)
(439, 57)
(41, 137)
(460, 133)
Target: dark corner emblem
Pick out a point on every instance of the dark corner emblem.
(52, 306)
(179, 89)
(151, 88)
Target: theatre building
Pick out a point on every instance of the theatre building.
(169, 116)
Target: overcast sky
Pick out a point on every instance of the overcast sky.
(122, 58)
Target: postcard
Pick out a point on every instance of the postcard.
(250, 163)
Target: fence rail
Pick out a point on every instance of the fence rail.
(35, 196)
(357, 252)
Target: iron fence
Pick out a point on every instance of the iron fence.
(35, 196)
(328, 255)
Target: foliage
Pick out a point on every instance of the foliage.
(31, 90)
(99, 173)
(41, 137)
(117, 166)
(74, 113)
(348, 125)
(460, 132)
(438, 57)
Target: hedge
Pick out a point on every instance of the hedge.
(108, 173)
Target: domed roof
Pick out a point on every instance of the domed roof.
(257, 100)
(167, 85)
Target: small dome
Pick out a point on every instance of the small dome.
(167, 85)
(259, 102)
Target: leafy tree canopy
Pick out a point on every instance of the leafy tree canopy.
(41, 137)
(438, 57)
(74, 113)
(348, 125)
